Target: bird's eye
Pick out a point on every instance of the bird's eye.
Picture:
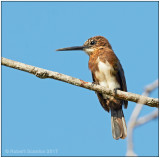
(93, 42)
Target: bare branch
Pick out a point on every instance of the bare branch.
(133, 119)
(43, 73)
(147, 118)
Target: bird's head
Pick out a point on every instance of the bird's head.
(94, 43)
(90, 45)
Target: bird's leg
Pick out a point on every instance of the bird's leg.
(94, 83)
(111, 98)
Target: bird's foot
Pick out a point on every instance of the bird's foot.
(115, 90)
(95, 83)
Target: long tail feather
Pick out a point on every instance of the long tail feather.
(119, 129)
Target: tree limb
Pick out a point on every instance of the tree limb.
(147, 118)
(133, 119)
(43, 73)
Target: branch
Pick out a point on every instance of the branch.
(147, 118)
(133, 119)
(43, 73)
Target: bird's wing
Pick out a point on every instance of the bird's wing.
(100, 97)
(120, 76)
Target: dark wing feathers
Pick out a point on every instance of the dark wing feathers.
(121, 77)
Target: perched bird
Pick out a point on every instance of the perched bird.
(108, 72)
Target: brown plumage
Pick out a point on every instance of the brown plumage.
(103, 52)
(118, 72)
(108, 72)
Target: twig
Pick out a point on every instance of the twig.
(147, 118)
(133, 119)
(43, 73)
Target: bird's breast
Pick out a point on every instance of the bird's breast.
(105, 75)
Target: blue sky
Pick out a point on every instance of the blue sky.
(45, 117)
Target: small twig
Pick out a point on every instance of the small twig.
(147, 118)
(133, 119)
(42, 73)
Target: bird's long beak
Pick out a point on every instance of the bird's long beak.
(71, 48)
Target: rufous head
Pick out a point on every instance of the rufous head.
(93, 43)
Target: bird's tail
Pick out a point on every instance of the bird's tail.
(119, 129)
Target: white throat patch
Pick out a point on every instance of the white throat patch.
(89, 50)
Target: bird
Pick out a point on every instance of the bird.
(106, 71)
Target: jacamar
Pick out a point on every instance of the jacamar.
(108, 72)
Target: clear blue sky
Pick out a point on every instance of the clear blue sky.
(65, 120)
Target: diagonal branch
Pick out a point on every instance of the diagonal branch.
(147, 118)
(43, 73)
(133, 122)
